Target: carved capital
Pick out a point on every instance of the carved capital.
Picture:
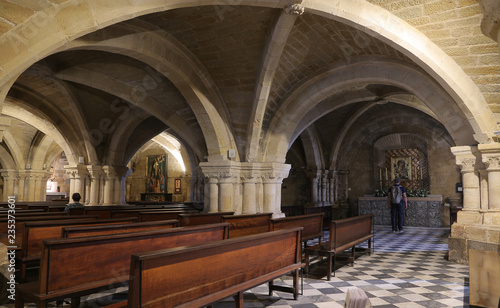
(490, 156)
(294, 9)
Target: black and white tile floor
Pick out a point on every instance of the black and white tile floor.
(408, 269)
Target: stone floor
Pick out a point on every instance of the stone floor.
(408, 269)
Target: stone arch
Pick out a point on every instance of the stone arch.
(15, 151)
(50, 28)
(309, 95)
(122, 90)
(166, 55)
(41, 124)
(312, 149)
(6, 159)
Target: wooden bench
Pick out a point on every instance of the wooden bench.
(160, 215)
(35, 232)
(312, 225)
(21, 220)
(201, 218)
(200, 275)
(73, 232)
(106, 263)
(241, 225)
(344, 234)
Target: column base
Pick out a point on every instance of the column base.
(469, 217)
(492, 218)
(465, 237)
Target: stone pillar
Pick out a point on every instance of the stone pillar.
(249, 195)
(22, 183)
(78, 174)
(272, 176)
(467, 159)
(213, 195)
(109, 182)
(226, 192)
(95, 174)
(331, 190)
(269, 196)
(315, 186)
(259, 191)
(31, 186)
(8, 183)
(483, 176)
(491, 159)
(324, 186)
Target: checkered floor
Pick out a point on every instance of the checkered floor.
(408, 269)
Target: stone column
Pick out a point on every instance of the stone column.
(491, 159)
(22, 183)
(331, 190)
(31, 186)
(213, 195)
(315, 184)
(43, 189)
(249, 195)
(467, 159)
(226, 192)
(483, 184)
(95, 174)
(78, 173)
(109, 182)
(272, 176)
(8, 183)
(324, 186)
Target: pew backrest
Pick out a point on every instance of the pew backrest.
(312, 224)
(36, 232)
(195, 219)
(72, 232)
(161, 215)
(241, 225)
(199, 275)
(70, 266)
(344, 232)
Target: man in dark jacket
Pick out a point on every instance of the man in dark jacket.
(398, 203)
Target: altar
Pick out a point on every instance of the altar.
(421, 212)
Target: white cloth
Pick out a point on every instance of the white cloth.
(357, 298)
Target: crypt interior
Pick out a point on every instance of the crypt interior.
(258, 106)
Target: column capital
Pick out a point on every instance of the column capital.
(94, 170)
(294, 9)
(78, 170)
(490, 156)
(467, 158)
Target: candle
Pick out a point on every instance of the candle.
(380, 175)
(386, 175)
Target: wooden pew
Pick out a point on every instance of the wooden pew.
(21, 220)
(73, 232)
(241, 225)
(312, 225)
(64, 273)
(161, 215)
(344, 234)
(201, 218)
(181, 277)
(35, 232)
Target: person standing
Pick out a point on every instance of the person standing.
(398, 203)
